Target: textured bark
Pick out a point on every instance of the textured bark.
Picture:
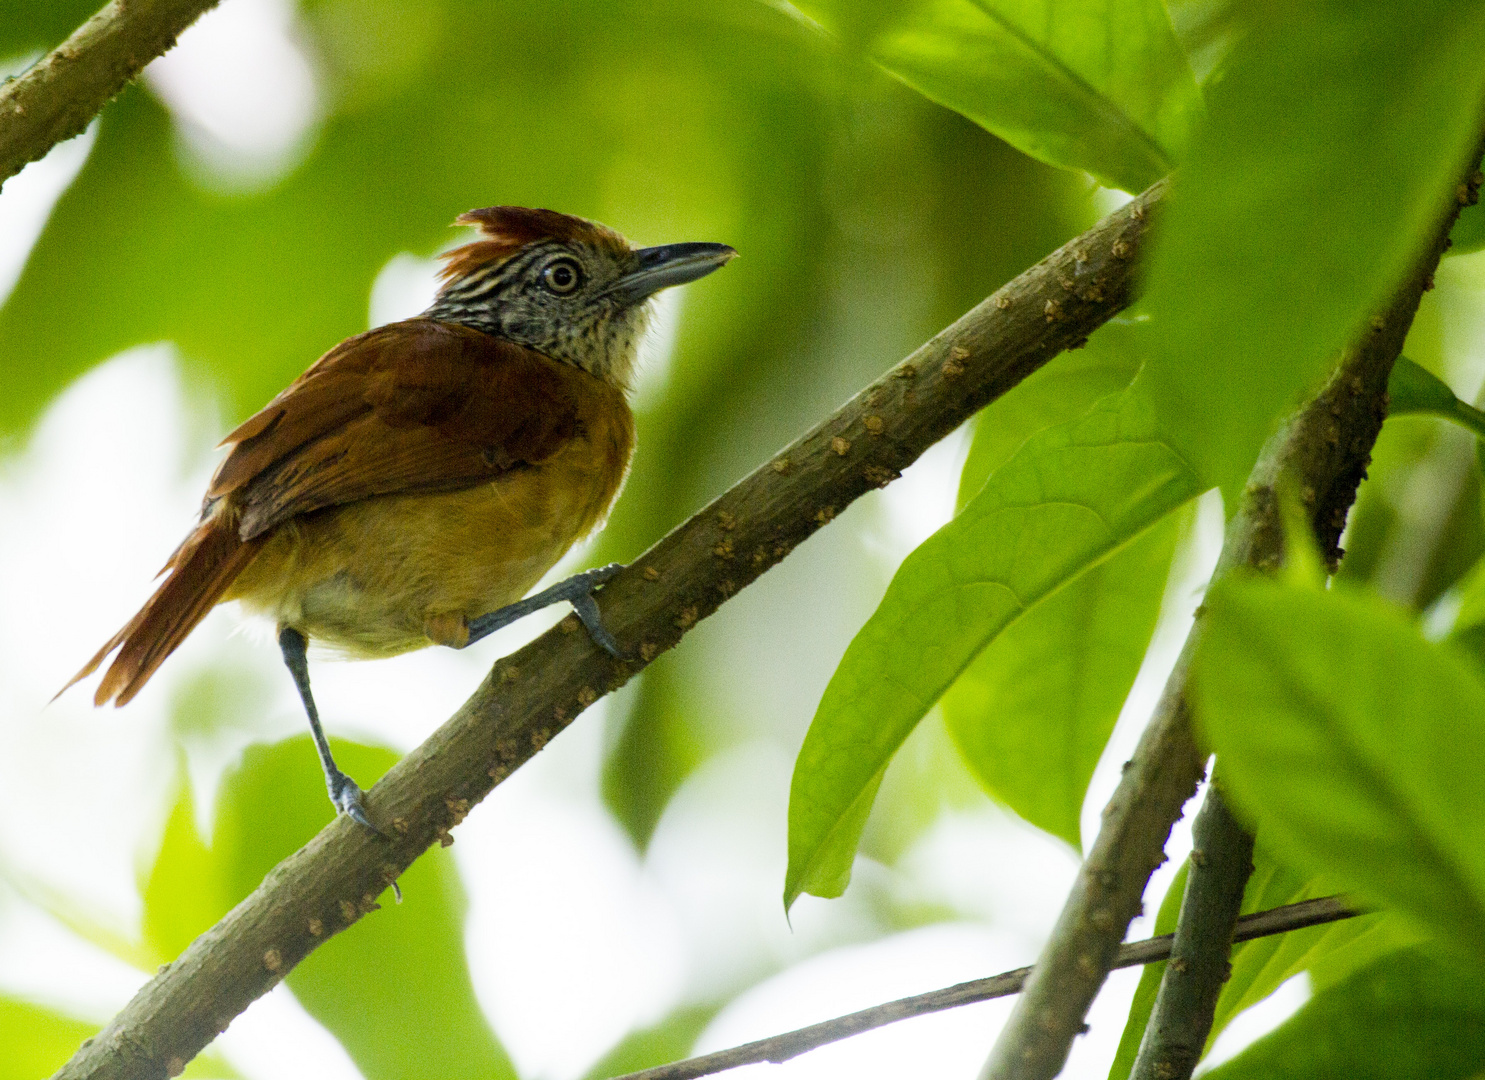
(63, 91)
(533, 694)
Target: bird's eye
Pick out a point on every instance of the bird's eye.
(562, 276)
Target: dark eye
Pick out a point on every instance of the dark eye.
(562, 276)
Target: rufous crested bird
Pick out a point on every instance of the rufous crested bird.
(412, 485)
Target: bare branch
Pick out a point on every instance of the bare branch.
(530, 696)
(791, 1044)
(64, 90)
(1323, 451)
(1221, 863)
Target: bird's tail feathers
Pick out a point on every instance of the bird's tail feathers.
(200, 571)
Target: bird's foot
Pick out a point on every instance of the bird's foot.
(346, 795)
(576, 590)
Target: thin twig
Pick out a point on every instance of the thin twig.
(791, 1044)
(1323, 451)
(63, 91)
(1221, 863)
(533, 694)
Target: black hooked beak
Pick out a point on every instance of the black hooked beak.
(657, 268)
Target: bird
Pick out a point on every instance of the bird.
(420, 478)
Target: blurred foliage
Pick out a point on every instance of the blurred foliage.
(1099, 87)
(372, 984)
(669, 1040)
(1406, 1015)
(37, 1040)
(1329, 952)
(1320, 764)
(1269, 262)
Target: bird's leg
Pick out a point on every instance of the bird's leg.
(576, 590)
(344, 792)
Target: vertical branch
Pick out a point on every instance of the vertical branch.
(1221, 862)
(1323, 451)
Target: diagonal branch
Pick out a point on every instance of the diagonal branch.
(63, 91)
(781, 1048)
(1323, 451)
(533, 694)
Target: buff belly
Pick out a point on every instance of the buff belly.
(367, 578)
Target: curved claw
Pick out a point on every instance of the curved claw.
(587, 611)
(346, 795)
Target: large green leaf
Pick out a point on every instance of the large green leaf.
(1032, 712)
(1354, 744)
(1334, 142)
(1404, 1016)
(1056, 393)
(372, 984)
(1097, 85)
(1071, 497)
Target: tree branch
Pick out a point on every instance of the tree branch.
(63, 91)
(781, 1048)
(533, 694)
(1221, 863)
(1323, 451)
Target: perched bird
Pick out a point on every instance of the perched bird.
(413, 484)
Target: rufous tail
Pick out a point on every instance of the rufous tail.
(200, 571)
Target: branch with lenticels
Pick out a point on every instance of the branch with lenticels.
(335, 879)
(59, 94)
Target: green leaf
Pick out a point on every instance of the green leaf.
(1406, 1015)
(669, 1040)
(40, 24)
(1334, 142)
(1355, 746)
(1098, 86)
(1032, 712)
(372, 984)
(1070, 498)
(37, 1041)
(1329, 952)
(1414, 389)
(1059, 392)
(1468, 234)
(1144, 994)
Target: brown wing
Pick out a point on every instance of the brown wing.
(416, 406)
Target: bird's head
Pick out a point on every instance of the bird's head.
(572, 289)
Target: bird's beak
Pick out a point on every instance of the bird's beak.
(657, 268)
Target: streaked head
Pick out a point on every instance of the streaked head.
(572, 289)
